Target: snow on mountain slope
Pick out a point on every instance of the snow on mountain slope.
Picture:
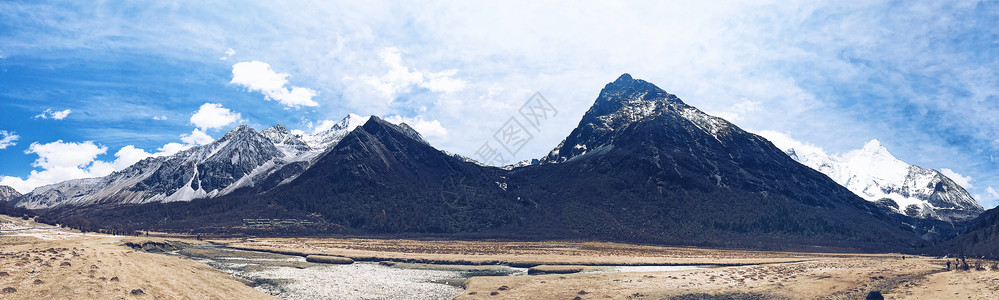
(875, 174)
(624, 102)
(326, 137)
(8, 193)
(241, 158)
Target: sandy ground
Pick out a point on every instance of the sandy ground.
(951, 285)
(841, 278)
(42, 262)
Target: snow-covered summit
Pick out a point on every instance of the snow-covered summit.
(328, 134)
(873, 173)
(241, 159)
(622, 103)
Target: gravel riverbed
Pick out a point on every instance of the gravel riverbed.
(291, 277)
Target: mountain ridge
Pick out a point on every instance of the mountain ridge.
(243, 159)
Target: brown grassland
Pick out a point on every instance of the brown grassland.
(61, 264)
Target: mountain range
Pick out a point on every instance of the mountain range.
(242, 160)
(641, 166)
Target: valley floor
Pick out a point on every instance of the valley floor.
(39, 262)
(738, 275)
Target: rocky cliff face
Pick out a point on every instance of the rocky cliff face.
(8, 193)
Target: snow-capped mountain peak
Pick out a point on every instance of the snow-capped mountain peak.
(873, 173)
(241, 158)
(328, 134)
(875, 145)
(281, 136)
(8, 193)
(875, 161)
(624, 102)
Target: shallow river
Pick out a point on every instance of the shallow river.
(291, 277)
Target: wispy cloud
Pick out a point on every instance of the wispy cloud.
(228, 53)
(400, 79)
(7, 139)
(431, 128)
(964, 181)
(53, 114)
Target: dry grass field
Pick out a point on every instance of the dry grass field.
(37, 261)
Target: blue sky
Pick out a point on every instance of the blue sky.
(923, 77)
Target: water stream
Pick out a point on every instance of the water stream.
(291, 277)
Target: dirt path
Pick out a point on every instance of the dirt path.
(951, 285)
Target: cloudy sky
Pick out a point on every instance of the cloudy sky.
(88, 87)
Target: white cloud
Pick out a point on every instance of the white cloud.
(49, 113)
(127, 156)
(964, 181)
(258, 76)
(159, 118)
(7, 139)
(61, 154)
(60, 161)
(213, 116)
(739, 110)
(59, 115)
(429, 129)
(992, 192)
(172, 148)
(228, 53)
(990, 199)
(196, 137)
(323, 125)
(399, 79)
(783, 141)
(443, 82)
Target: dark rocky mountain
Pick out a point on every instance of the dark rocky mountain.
(385, 178)
(642, 166)
(8, 193)
(642, 163)
(980, 239)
